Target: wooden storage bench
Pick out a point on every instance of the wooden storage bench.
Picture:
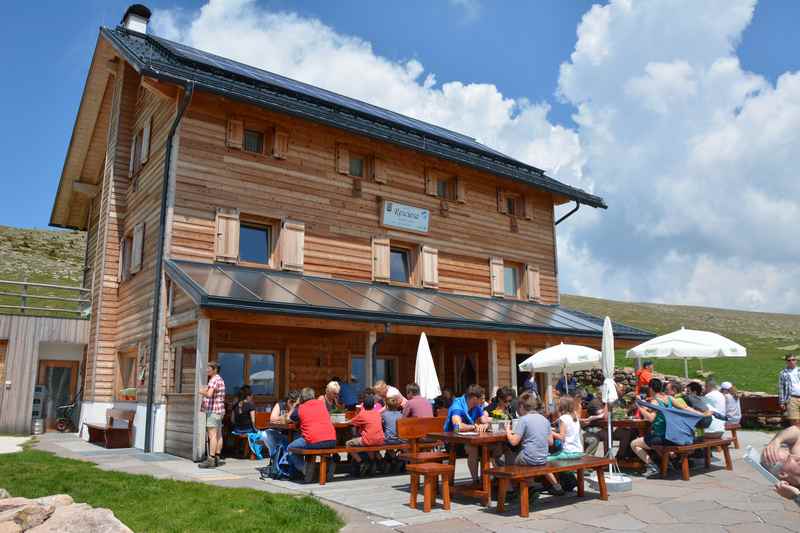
(112, 434)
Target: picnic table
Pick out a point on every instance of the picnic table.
(482, 441)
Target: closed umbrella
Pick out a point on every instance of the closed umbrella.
(425, 371)
(688, 344)
(609, 392)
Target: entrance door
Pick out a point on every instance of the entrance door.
(61, 379)
(465, 367)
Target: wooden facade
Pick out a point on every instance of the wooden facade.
(318, 190)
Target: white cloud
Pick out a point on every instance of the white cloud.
(697, 158)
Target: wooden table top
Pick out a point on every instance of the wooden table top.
(481, 439)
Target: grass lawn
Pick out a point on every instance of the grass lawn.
(145, 503)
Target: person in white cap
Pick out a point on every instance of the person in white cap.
(733, 406)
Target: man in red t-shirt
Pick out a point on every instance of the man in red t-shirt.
(416, 406)
(370, 426)
(643, 376)
(316, 431)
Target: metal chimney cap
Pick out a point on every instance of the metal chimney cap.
(137, 9)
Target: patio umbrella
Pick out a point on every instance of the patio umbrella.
(609, 391)
(560, 358)
(688, 344)
(425, 371)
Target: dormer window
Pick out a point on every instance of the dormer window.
(253, 141)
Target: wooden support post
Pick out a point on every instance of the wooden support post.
(201, 361)
(512, 349)
(372, 337)
(492, 367)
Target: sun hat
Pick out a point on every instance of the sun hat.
(726, 385)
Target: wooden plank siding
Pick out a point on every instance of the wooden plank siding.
(180, 420)
(339, 219)
(22, 336)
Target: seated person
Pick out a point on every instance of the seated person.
(658, 428)
(416, 406)
(466, 413)
(782, 457)
(389, 417)
(569, 426)
(594, 434)
(567, 386)
(733, 407)
(369, 424)
(368, 392)
(331, 396)
(243, 413)
(348, 394)
(716, 402)
(444, 400)
(502, 402)
(316, 431)
(533, 436)
(282, 409)
(384, 391)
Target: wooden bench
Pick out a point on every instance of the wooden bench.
(111, 435)
(413, 431)
(685, 451)
(520, 475)
(733, 428)
(754, 407)
(430, 473)
(324, 454)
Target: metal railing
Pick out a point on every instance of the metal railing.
(27, 298)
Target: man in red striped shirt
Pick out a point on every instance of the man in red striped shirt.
(214, 407)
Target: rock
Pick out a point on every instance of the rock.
(57, 500)
(4, 494)
(81, 518)
(29, 514)
(9, 527)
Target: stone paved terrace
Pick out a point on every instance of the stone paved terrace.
(714, 501)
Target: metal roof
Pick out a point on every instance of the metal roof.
(178, 63)
(225, 286)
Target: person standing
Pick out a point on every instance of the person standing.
(529, 385)
(789, 390)
(214, 407)
(733, 406)
(643, 376)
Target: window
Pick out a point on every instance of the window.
(257, 369)
(125, 258)
(254, 243)
(356, 166)
(511, 280)
(185, 372)
(253, 141)
(514, 205)
(399, 265)
(446, 188)
(126, 376)
(384, 367)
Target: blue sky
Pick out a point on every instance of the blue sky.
(652, 65)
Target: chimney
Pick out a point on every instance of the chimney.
(136, 18)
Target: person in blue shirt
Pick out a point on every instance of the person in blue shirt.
(529, 385)
(570, 388)
(348, 393)
(466, 413)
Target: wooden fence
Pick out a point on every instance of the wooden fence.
(43, 299)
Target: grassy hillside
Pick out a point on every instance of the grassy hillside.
(767, 336)
(57, 257)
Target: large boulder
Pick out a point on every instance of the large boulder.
(9, 527)
(57, 500)
(24, 512)
(81, 518)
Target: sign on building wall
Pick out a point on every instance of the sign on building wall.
(405, 217)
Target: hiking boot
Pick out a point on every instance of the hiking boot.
(355, 469)
(309, 472)
(208, 463)
(219, 461)
(371, 468)
(556, 490)
(652, 471)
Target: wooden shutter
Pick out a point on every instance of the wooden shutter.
(121, 260)
(430, 183)
(227, 241)
(461, 191)
(532, 284)
(342, 159)
(137, 248)
(235, 135)
(280, 144)
(380, 259)
(502, 205)
(144, 151)
(430, 267)
(132, 160)
(496, 269)
(528, 207)
(291, 245)
(379, 170)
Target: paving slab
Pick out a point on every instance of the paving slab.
(618, 522)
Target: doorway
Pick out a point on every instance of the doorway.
(465, 367)
(61, 380)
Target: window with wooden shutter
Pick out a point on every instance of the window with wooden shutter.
(145, 149)
(342, 159)
(502, 203)
(291, 245)
(235, 134)
(430, 267)
(137, 248)
(124, 267)
(461, 191)
(132, 160)
(528, 208)
(496, 270)
(532, 284)
(431, 185)
(380, 259)
(280, 144)
(379, 170)
(227, 239)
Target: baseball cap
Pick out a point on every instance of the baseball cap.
(726, 385)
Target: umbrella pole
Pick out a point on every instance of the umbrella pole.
(685, 368)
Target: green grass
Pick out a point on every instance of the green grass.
(145, 503)
(768, 337)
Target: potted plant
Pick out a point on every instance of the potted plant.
(338, 415)
(500, 420)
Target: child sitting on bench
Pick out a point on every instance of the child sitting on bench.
(370, 426)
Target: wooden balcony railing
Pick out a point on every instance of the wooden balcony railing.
(43, 299)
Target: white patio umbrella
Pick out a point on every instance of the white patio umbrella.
(688, 344)
(425, 371)
(609, 390)
(560, 358)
